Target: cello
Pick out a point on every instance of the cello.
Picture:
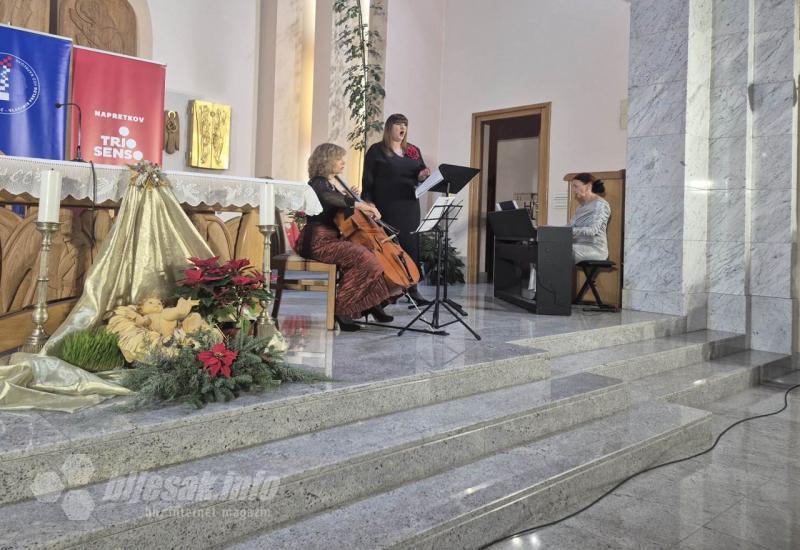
(379, 238)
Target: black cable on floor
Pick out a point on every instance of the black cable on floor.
(650, 469)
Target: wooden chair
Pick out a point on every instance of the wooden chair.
(286, 260)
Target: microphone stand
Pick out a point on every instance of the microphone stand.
(78, 157)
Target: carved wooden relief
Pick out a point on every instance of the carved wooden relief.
(76, 245)
(30, 14)
(102, 24)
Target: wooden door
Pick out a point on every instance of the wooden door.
(609, 283)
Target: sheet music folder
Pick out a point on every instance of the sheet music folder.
(448, 178)
(444, 209)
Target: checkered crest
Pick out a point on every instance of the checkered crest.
(5, 71)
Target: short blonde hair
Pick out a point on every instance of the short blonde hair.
(320, 163)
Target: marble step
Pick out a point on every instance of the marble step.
(624, 332)
(703, 383)
(119, 443)
(470, 506)
(639, 359)
(305, 474)
(781, 374)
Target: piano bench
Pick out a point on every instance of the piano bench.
(590, 269)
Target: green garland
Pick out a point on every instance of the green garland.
(183, 377)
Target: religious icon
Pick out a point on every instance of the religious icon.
(210, 135)
(172, 132)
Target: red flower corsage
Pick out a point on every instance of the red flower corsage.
(412, 152)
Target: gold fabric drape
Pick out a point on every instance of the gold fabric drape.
(142, 256)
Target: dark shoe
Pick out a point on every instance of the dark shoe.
(379, 315)
(418, 298)
(346, 324)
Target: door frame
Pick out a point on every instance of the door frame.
(476, 160)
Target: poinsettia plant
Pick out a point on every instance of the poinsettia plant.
(227, 292)
(218, 360)
(218, 372)
(215, 367)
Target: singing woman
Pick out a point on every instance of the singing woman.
(362, 288)
(392, 170)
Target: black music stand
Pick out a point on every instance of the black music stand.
(453, 179)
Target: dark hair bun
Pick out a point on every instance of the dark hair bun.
(598, 187)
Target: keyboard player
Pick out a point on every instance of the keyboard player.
(590, 221)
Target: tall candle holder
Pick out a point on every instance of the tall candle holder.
(265, 326)
(35, 342)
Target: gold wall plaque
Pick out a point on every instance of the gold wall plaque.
(209, 135)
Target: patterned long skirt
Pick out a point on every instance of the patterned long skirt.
(362, 284)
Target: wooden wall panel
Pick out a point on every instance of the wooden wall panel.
(109, 25)
(30, 14)
(74, 248)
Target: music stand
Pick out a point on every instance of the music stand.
(451, 179)
(447, 179)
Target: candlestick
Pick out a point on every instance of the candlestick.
(34, 342)
(266, 327)
(266, 205)
(49, 196)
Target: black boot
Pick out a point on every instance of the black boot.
(379, 315)
(419, 299)
(346, 324)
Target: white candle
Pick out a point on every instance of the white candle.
(266, 214)
(49, 196)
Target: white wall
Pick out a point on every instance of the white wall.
(573, 53)
(211, 50)
(413, 69)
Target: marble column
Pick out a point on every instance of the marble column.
(667, 178)
(285, 93)
(772, 182)
(728, 201)
(711, 204)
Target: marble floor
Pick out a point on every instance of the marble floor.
(376, 353)
(743, 495)
(371, 355)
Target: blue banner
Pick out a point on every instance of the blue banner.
(34, 76)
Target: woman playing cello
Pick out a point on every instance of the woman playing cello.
(362, 288)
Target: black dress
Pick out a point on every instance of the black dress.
(389, 182)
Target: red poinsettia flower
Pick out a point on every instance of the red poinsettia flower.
(192, 276)
(242, 280)
(412, 152)
(210, 262)
(218, 360)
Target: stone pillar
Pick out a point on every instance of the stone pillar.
(667, 179)
(286, 75)
(728, 201)
(711, 202)
(772, 182)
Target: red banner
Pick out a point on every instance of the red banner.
(122, 100)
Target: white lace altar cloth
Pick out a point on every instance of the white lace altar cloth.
(20, 175)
